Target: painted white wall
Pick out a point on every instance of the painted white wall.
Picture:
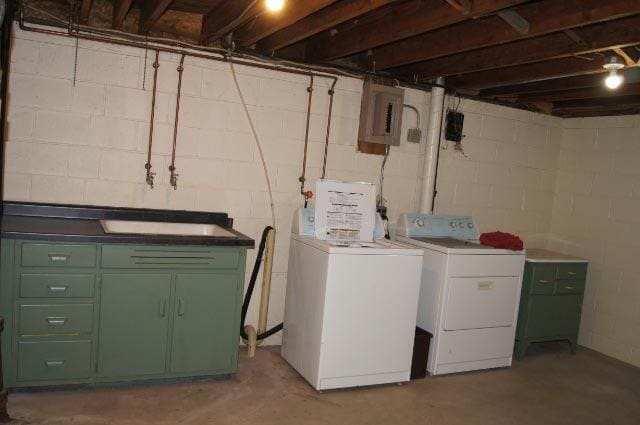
(87, 144)
(596, 215)
(506, 181)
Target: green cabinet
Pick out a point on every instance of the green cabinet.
(551, 302)
(134, 324)
(88, 312)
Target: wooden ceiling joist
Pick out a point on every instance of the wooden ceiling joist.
(538, 71)
(598, 92)
(545, 17)
(120, 10)
(268, 23)
(85, 9)
(548, 86)
(462, 6)
(152, 10)
(227, 17)
(587, 104)
(406, 19)
(615, 34)
(320, 21)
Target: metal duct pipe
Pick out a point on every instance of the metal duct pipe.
(430, 167)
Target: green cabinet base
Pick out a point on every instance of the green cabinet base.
(550, 304)
(90, 314)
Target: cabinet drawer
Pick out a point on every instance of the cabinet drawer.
(41, 361)
(56, 319)
(572, 271)
(543, 278)
(34, 285)
(124, 256)
(569, 287)
(58, 255)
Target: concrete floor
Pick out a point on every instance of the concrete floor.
(548, 387)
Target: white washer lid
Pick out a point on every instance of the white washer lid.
(456, 246)
(377, 247)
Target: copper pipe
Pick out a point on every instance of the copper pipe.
(302, 178)
(150, 174)
(326, 141)
(172, 168)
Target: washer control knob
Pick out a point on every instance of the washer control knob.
(461, 224)
(470, 225)
(311, 219)
(452, 224)
(419, 222)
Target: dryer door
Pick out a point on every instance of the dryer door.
(481, 302)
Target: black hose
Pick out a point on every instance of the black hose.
(252, 284)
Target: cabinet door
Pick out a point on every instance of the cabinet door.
(205, 333)
(134, 318)
(553, 315)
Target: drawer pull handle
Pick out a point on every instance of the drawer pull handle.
(59, 258)
(163, 307)
(543, 281)
(56, 321)
(181, 307)
(485, 286)
(570, 288)
(572, 273)
(54, 363)
(58, 289)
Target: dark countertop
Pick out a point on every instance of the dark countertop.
(73, 223)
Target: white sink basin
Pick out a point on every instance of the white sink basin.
(163, 228)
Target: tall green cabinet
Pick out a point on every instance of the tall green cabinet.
(79, 313)
(551, 299)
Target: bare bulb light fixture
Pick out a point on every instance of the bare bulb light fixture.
(274, 5)
(613, 65)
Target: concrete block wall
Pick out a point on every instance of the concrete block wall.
(506, 177)
(596, 215)
(86, 143)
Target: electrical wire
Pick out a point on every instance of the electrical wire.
(380, 200)
(257, 141)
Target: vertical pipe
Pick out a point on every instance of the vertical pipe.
(429, 172)
(266, 282)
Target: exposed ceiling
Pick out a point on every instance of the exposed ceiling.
(544, 54)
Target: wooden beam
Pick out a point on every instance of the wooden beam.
(322, 20)
(540, 71)
(517, 22)
(120, 10)
(462, 6)
(601, 103)
(604, 36)
(269, 23)
(545, 17)
(584, 93)
(405, 19)
(623, 54)
(85, 9)
(227, 16)
(625, 110)
(633, 52)
(552, 85)
(152, 10)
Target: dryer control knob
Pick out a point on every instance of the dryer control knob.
(419, 222)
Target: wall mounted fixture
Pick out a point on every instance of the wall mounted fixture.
(613, 65)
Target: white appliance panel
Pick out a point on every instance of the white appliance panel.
(486, 265)
(476, 344)
(371, 312)
(481, 302)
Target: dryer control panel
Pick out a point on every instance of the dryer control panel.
(304, 223)
(437, 226)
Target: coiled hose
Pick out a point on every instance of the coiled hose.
(252, 284)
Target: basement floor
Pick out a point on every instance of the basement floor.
(549, 386)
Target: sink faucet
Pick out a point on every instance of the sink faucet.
(150, 175)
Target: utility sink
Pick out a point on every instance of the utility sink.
(164, 228)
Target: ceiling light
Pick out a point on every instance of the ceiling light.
(274, 5)
(613, 80)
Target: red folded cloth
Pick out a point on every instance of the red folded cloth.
(502, 240)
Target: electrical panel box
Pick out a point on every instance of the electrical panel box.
(454, 124)
(381, 114)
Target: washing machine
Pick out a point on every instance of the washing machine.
(350, 308)
(469, 294)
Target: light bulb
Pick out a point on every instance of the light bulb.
(613, 80)
(274, 5)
